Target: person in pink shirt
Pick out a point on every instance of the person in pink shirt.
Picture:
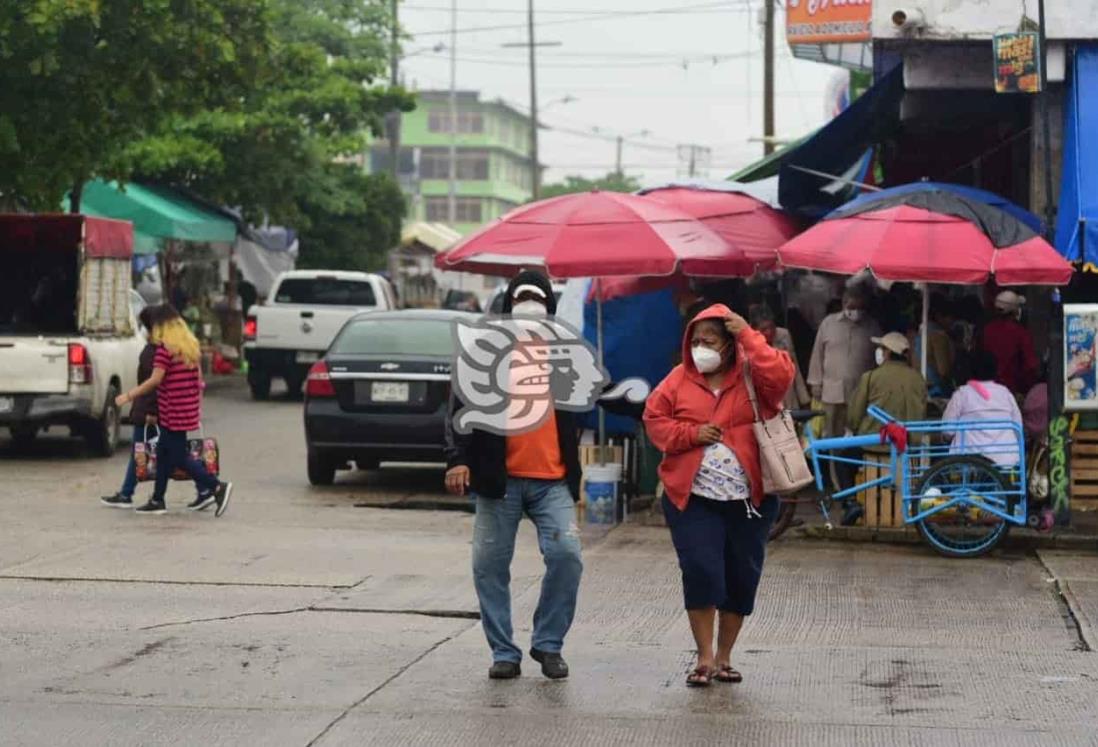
(984, 399)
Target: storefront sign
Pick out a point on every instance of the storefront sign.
(1017, 62)
(828, 21)
(1080, 357)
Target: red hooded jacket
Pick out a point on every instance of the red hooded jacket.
(683, 402)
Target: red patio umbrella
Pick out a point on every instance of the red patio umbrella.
(752, 229)
(592, 234)
(928, 237)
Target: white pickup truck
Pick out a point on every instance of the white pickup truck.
(69, 342)
(292, 329)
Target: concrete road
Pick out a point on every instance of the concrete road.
(298, 619)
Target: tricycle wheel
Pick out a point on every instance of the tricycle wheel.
(787, 509)
(964, 531)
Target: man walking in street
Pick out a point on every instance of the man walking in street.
(536, 474)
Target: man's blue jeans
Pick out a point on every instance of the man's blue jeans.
(549, 505)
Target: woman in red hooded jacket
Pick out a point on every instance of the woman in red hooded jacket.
(700, 417)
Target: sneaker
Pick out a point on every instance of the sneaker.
(221, 497)
(203, 501)
(553, 665)
(117, 501)
(504, 670)
(152, 507)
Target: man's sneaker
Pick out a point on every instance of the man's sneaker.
(203, 501)
(504, 670)
(553, 666)
(152, 507)
(117, 501)
(221, 497)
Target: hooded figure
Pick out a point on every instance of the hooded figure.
(700, 417)
(537, 474)
(1006, 338)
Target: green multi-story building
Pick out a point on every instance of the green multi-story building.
(494, 171)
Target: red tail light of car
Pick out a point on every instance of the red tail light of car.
(319, 381)
(80, 369)
(251, 328)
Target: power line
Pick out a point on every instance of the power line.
(684, 62)
(732, 8)
(593, 16)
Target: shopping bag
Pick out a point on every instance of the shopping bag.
(203, 449)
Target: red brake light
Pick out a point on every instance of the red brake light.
(319, 381)
(80, 370)
(251, 327)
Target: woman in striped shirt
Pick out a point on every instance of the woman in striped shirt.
(178, 386)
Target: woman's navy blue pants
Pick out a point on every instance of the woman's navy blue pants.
(721, 551)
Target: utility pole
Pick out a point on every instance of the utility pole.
(617, 160)
(394, 81)
(768, 79)
(536, 175)
(451, 205)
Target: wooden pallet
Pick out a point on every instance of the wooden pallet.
(1084, 470)
(884, 504)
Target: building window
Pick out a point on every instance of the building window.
(472, 164)
(468, 123)
(468, 209)
(380, 161)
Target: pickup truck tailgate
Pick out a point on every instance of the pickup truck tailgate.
(33, 365)
(300, 328)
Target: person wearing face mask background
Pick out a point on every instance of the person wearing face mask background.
(700, 417)
(843, 351)
(895, 387)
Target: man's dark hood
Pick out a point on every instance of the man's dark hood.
(531, 277)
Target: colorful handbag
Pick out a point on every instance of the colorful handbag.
(203, 449)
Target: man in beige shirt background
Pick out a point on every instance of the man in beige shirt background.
(843, 351)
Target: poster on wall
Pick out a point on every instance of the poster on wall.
(1081, 356)
(1017, 62)
(823, 22)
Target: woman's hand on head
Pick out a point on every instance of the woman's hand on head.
(735, 324)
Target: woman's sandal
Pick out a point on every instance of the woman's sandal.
(728, 674)
(700, 677)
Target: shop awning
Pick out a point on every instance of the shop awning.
(1077, 223)
(157, 214)
(768, 166)
(842, 148)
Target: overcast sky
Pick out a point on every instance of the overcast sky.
(693, 75)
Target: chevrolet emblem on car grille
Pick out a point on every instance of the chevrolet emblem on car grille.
(390, 366)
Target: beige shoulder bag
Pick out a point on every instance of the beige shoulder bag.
(784, 467)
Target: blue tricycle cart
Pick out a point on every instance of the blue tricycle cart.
(962, 483)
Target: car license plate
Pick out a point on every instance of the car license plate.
(306, 357)
(7, 404)
(389, 391)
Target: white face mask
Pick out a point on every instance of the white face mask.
(853, 315)
(529, 308)
(879, 354)
(706, 360)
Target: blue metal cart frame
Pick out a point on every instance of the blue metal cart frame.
(961, 495)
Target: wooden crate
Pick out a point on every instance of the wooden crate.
(1084, 470)
(884, 504)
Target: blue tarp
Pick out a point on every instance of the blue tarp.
(840, 148)
(642, 335)
(977, 195)
(1077, 224)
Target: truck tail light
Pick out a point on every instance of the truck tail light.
(319, 381)
(80, 370)
(251, 327)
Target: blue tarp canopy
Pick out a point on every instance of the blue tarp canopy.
(1077, 224)
(842, 148)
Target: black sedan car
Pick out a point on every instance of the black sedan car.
(381, 392)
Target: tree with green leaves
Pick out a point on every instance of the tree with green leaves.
(81, 79)
(612, 182)
(284, 153)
